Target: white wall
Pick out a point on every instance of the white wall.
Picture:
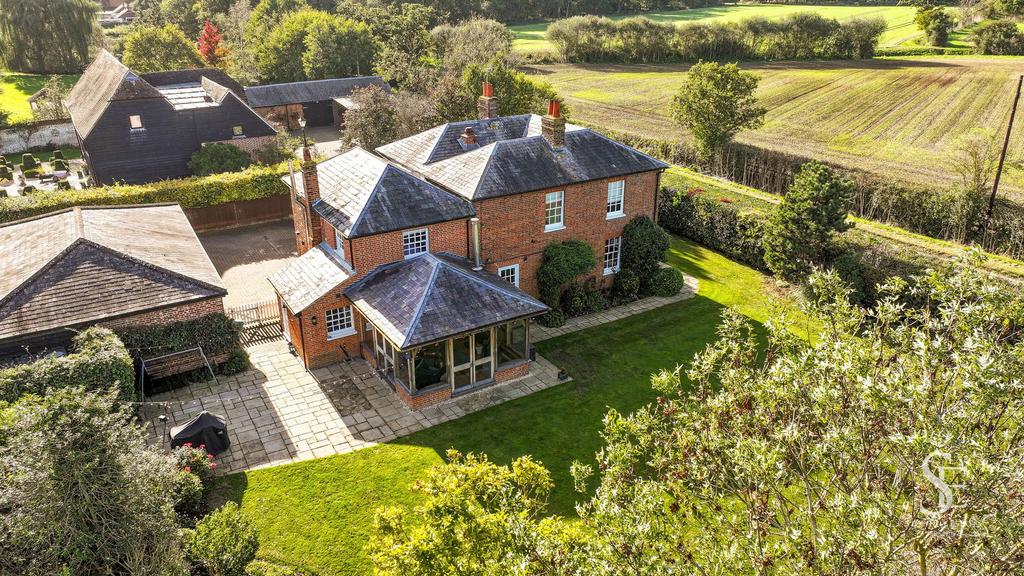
(52, 134)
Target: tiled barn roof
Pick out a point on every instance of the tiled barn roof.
(309, 91)
(83, 265)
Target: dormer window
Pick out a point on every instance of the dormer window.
(135, 121)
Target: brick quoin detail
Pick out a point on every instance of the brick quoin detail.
(512, 227)
(165, 316)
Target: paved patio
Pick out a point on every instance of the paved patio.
(279, 413)
(245, 257)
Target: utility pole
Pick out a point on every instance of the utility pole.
(1002, 159)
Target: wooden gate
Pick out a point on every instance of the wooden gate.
(260, 320)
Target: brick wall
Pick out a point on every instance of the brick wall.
(512, 373)
(368, 252)
(189, 311)
(512, 227)
(249, 145)
(421, 401)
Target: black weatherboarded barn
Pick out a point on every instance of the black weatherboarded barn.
(320, 102)
(138, 128)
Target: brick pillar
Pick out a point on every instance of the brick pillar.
(487, 103)
(552, 126)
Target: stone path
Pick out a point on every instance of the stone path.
(278, 412)
(538, 332)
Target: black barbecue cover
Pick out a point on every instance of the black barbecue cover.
(206, 430)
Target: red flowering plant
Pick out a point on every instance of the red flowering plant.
(196, 461)
(694, 192)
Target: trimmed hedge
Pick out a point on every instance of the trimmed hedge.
(98, 361)
(922, 51)
(194, 192)
(863, 261)
(216, 333)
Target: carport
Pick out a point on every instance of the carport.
(320, 102)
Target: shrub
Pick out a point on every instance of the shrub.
(574, 300)
(667, 282)
(217, 158)
(280, 149)
(58, 155)
(626, 287)
(5, 174)
(28, 161)
(643, 247)
(30, 172)
(98, 361)
(188, 494)
(223, 543)
(193, 192)
(264, 568)
(721, 227)
(60, 165)
(552, 319)
(562, 263)
(999, 37)
(195, 460)
(936, 23)
(596, 301)
(216, 333)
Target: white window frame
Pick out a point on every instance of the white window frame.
(615, 208)
(136, 119)
(410, 238)
(554, 203)
(613, 246)
(339, 243)
(342, 320)
(513, 278)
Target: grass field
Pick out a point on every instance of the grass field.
(317, 515)
(15, 88)
(530, 37)
(895, 117)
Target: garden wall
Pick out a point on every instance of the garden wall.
(240, 213)
(42, 134)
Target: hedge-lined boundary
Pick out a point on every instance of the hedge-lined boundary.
(925, 210)
(98, 361)
(194, 192)
(218, 335)
(923, 51)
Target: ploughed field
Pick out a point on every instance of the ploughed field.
(898, 118)
(900, 20)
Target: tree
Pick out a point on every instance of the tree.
(374, 122)
(279, 58)
(47, 37)
(476, 41)
(517, 93)
(209, 45)
(183, 14)
(241, 48)
(152, 49)
(268, 13)
(936, 23)
(714, 103)
(643, 249)
(999, 37)
(802, 231)
(50, 103)
(337, 47)
(81, 492)
(772, 455)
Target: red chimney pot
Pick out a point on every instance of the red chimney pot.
(488, 89)
(554, 108)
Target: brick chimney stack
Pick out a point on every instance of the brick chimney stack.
(312, 233)
(487, 103)
(552, 126)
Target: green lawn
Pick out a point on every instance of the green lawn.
(317, 515)
(15, 88)
(900, 20)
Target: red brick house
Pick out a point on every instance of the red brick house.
(87, 266)
(422, 258)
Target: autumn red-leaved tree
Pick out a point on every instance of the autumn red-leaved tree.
(209, 44)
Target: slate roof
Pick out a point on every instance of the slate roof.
(310, 277)
(83, 265)
(309, 91)
(435, 296)
(361, 194)
(511, 157)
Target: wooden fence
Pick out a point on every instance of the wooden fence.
(241, 213)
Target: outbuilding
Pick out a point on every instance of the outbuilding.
(320, 102)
